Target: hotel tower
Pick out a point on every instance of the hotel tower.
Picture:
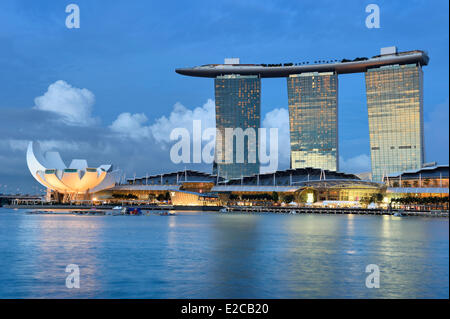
(394, 88)
(238, 106)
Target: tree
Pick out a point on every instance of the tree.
(275, 196)
(366, 200)
(288, 198)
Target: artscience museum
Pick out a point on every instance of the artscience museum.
(78, 181)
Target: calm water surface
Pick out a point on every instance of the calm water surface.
(211, 255)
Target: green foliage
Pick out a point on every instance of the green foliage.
(123, 196)
(288, 198)
(412, 200)
(163, 197)
(275, 196)
(374, 198)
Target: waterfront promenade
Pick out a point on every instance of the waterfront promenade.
(250, 209)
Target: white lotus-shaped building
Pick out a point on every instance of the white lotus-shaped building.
(50, 171)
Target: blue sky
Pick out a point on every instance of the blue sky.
(125, 53)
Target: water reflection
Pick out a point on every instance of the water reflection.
(235, 256)
(47, 245)
(201, 255)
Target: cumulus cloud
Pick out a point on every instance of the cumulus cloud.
(131, 125)
(137, 126)
(72, 104)
(182, 117)
(279, 118)
(356, 164)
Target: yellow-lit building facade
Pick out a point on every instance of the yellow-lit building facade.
(313, 120)
(395, 109)
(238, 105)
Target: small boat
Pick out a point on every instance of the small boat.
(398, 214)
(116, 210)
(223, 210)
(293, 212)
(132, 211)
(135, 211)
(167, 213)
(88, 212)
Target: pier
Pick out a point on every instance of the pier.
(333, 211)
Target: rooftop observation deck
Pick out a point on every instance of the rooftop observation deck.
(284, 70)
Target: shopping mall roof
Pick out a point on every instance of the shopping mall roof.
(438, 171)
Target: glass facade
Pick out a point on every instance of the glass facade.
(313, 120)
(395, 109)
(238, 105)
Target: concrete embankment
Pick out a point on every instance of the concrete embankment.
(319, 210)
(247, 209)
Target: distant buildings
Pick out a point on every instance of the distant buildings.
(394, 85)
(302, 186)
(305, 185)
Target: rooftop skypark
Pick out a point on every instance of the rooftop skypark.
(360, 64)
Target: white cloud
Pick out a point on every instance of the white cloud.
(357, 164)
(131, 125)
(74, 105)
(182, 117)
(279, 118)
(135, 125)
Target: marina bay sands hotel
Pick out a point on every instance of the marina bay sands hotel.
(394, 90)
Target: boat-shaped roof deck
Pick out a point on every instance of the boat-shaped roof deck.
(284, 70)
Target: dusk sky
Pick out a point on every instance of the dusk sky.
(108, 91)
